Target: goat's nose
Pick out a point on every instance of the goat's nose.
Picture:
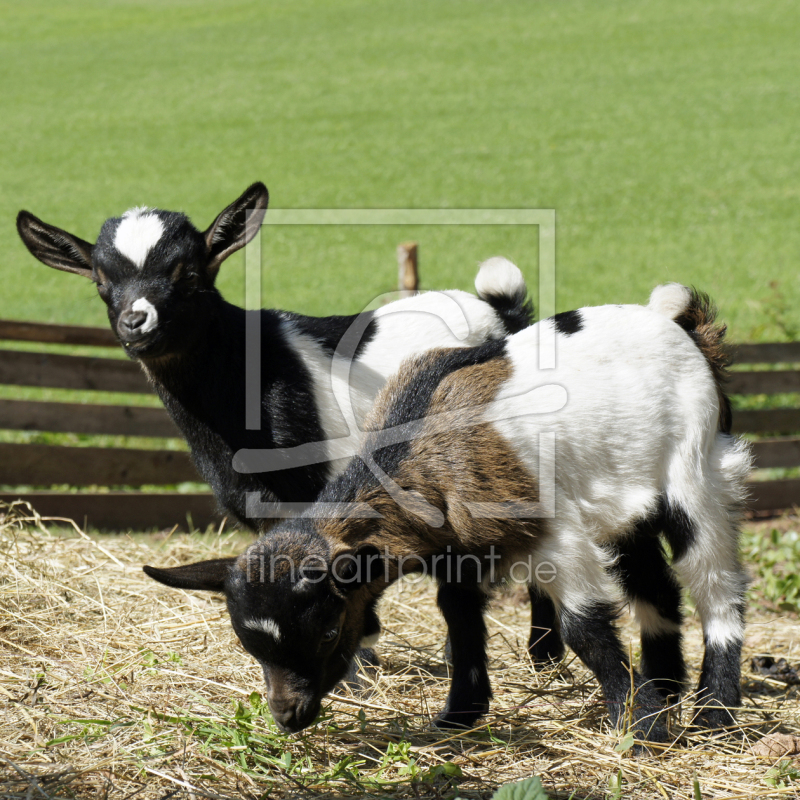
(131, 321)
(285, 715)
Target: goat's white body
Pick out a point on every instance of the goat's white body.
(345, 389)
(640, 425)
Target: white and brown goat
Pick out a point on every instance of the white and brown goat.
(453, 480)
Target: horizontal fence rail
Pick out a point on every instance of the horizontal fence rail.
(47, 465)
(34, 415)
(47, 333)
(777, 453)
(56, 371)
(768, 420)
(119, 511)
(772, 382)
(765, 353)
(773, 495)
(52, 465)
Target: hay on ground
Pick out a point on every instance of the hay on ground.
(114, 686)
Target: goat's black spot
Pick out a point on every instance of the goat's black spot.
(568, 322)
(678, 529)
(349, 334)
(515, 311)
(725, 413)
(643, 570)
(674, 522)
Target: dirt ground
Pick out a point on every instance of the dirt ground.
(114, 686)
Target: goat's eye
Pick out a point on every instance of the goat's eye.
(330, 635)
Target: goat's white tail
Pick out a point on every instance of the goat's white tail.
(670, 299)
(498, 277)
(502, 285)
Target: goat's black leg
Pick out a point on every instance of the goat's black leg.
(718, 692)
(591, 633)
(370, 635)
(705, 541)
(655, 594)
(366, 657)
(545, 644)
(470, 691)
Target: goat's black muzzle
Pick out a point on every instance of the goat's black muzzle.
(292, 715)
(131, 325)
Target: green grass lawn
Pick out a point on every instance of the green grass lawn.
(665, 135)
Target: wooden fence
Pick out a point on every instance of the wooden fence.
(43, 465)
(778, 444)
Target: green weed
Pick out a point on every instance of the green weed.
(773, 560)
(528, 789)
(782, 775)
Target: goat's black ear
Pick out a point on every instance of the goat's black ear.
(209, 576)
(236, 225)
(55, 247)
(355, 568)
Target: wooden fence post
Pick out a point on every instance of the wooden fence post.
(407, 275)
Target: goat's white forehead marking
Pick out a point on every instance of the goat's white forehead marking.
(137, 234)
(152, 315)
(265, 625)
(138, 211)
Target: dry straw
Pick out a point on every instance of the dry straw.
(114, 686)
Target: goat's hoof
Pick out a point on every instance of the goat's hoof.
(362, 673)
(460, 720)
(648, 728)
(446, 722)
(653, 731)
(544, 658)
(669, 691)
(368, 658)
(710, 719)
(649, 739)
(545, 652)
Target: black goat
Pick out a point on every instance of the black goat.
(318, 376)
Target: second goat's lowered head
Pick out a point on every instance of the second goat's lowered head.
(300, 610)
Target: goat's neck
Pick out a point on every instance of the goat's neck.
(206, 356)
(404, 532)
